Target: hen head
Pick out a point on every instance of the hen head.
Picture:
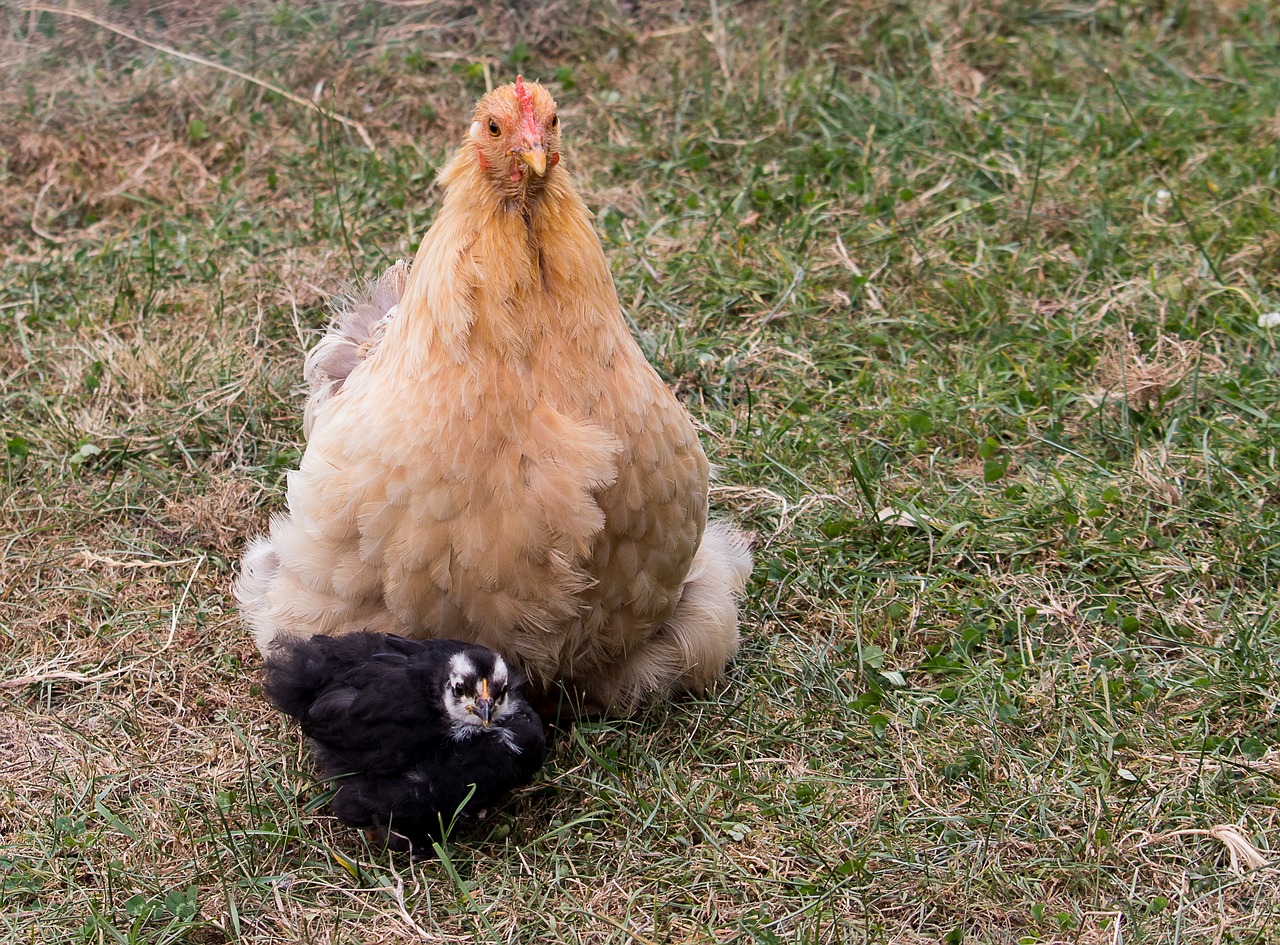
(517, 138)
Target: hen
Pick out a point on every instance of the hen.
(415, 732)
(491, 458)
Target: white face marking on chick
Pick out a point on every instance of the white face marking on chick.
(461, 667)
(462, 677)
(498, 686)
(500, 674)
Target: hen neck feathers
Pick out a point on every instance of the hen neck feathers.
(492, 278)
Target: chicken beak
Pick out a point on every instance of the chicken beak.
(484, 704)
(535, 157)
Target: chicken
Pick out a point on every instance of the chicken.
(416, 732)
(491, 458)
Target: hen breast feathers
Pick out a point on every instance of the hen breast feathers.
(503, 466)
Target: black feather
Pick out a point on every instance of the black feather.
(374, 704)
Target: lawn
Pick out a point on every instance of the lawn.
(969, 304)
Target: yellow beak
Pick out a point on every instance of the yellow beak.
(535, 157)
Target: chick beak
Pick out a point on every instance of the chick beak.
(484, 704)
(535, 157)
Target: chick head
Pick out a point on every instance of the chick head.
(477, 690)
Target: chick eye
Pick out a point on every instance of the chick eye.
(459, 690)
(493, 128)
(555, 120)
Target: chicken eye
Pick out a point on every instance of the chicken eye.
(459, 690)
(555, 120)
(493, 128)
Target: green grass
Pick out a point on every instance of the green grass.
(965, 300)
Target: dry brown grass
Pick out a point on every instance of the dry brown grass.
(1145, 377)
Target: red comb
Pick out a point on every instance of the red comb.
(523, 96)
(528, 122)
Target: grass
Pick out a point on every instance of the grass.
(965, 300)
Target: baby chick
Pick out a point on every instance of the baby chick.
(415, 732)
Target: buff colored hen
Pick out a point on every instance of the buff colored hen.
(490, 457)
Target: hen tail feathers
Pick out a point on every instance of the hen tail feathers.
(355, 332)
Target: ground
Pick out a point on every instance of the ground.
(965, 300)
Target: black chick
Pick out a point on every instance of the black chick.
(408, 727)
